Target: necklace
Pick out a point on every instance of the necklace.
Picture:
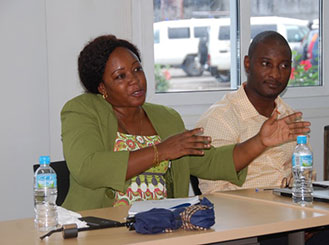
(124, 127)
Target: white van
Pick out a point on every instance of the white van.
(219, 55)
(176, 43)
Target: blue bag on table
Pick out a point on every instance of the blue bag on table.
(157, 220)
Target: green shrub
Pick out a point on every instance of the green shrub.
(303, 73)
(161, 80)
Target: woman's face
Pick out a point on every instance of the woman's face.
(124, 79)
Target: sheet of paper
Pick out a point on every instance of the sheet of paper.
(168, 203)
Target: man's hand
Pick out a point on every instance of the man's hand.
(278, 131)
(288, 181)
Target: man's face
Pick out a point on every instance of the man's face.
(268, 70)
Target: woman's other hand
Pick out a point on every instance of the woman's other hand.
(188, 143)
(277, 131)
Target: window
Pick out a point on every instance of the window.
(293, 20)
(177, 33)
(203, 62)
(296, 33)
(201, 31)
(156, 36)
(255, 29)
(192, 58)
(224, 33)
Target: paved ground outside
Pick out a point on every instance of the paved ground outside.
(180, 82)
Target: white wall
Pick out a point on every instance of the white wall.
(40, 41)
(38, 35)
(24, 131)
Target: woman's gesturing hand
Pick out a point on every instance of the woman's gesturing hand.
(277, 131)
(188, 143)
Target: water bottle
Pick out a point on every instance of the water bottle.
(302, 163)
(45, 194)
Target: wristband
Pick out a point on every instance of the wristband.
(156, 156)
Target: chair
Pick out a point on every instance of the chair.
(63, 179)
(195, 185)
(326, 153)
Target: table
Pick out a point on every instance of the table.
(267, 195)
(239, 214)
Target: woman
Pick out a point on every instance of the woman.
(120, 149)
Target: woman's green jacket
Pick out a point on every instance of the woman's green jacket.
(89, 128)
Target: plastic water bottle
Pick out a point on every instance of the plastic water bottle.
(45, 194)
(302, 163)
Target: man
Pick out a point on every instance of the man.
(240, 114)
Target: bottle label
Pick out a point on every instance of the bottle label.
(46, 180)
(302, 160)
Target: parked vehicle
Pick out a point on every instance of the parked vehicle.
(308, 49)
(219, 55)
(198, 44)
(219, 46)
(176, 43)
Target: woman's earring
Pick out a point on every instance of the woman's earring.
(105, 96)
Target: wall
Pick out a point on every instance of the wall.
(24, 131)
(40, 42)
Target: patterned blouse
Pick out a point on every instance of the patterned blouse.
(149, 185)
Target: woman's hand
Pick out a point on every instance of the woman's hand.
(277, 131)
(188, 143)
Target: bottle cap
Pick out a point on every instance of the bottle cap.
(301, 139)
(44, 160)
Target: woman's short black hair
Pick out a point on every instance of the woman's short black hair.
(94, 56)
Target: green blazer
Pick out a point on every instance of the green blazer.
(89, 128)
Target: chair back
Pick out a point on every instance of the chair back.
(326, 153)
(63, 179)
(195, 185)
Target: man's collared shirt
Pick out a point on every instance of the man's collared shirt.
(234, 120)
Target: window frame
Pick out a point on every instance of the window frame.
(142, 36)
